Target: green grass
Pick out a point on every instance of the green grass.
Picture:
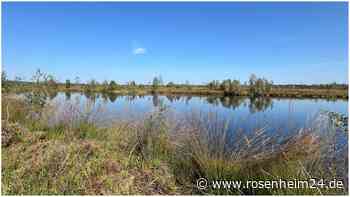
(153, 155)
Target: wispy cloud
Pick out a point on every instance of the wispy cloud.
(139, 51)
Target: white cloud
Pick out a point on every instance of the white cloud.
(139, 51)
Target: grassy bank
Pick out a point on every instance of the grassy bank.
(51, 151)
(300, 91)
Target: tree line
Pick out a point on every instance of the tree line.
(256, 86)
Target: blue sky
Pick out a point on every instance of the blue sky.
(198, 42)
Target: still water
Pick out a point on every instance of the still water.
(282, 115)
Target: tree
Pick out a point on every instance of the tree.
(211, 85)
(225, 85)
(91, 85)
(155, 82)
(259, 86)
(132, 83)
(77, 80)
(235, 87)
(18, 79)
(112, 85)
(105, 86)
(67, 83)
(160, 80)
(214, 84)
(170, 84)
(187, 84)
(252, 83)
(268, 85)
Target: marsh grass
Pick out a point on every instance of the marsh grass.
(64, 151)
(202, 146)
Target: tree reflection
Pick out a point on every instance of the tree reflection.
(173, 98)
(91, 96)
(131, 98)
(68, 95)
(188, 98)
(213, 100)
(155, 100)
(112, 97)
(105, 97)
(231, 101)
(259, 104)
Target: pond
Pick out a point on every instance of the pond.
(276, 115)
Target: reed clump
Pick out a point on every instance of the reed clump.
(202, 147)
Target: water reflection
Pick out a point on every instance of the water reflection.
(105, 98)
(230, 102)
(112, 97)
(92, 96)
(68, 96)
(130, 98)
(259, 104)
(155, 100)
(254, 105)
(233, 102)
(280, 115)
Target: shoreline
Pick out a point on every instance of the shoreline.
(317, 93)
